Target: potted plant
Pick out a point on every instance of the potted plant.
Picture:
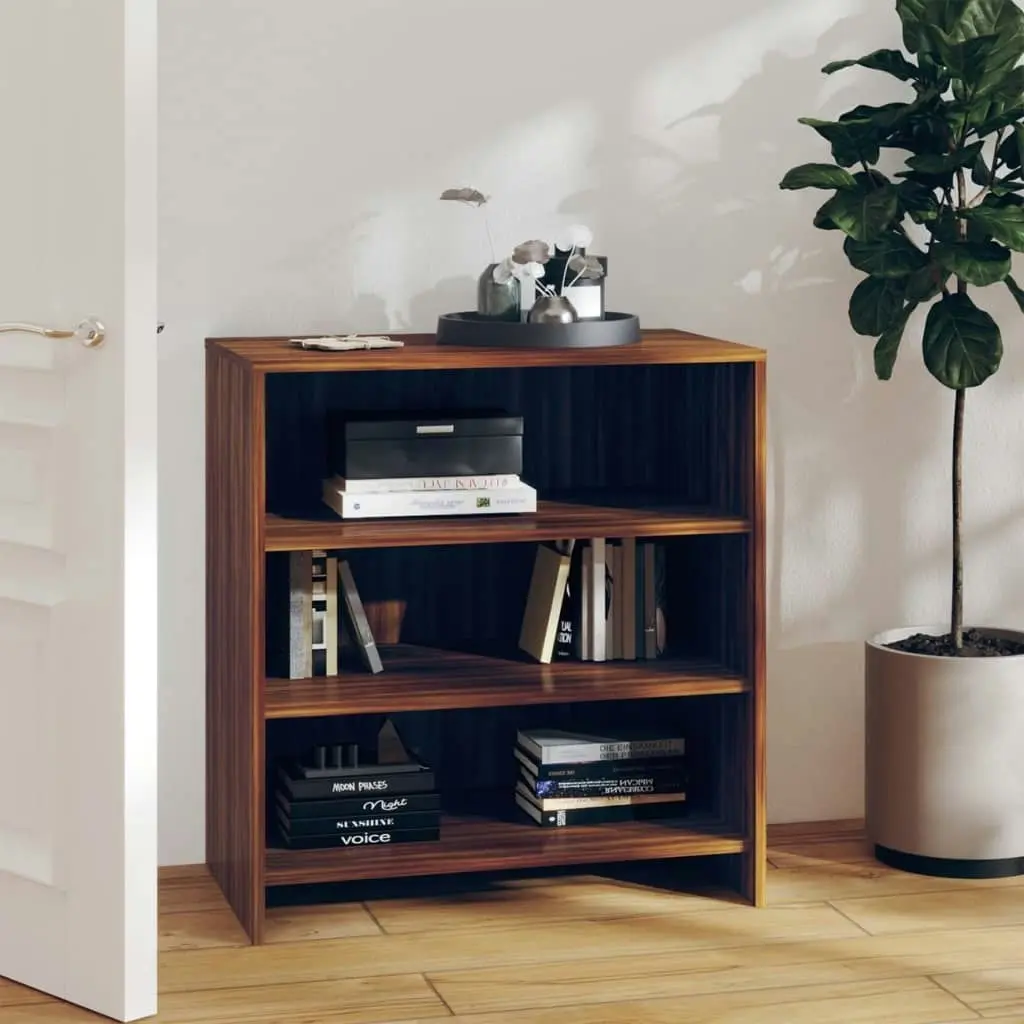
(944, 706)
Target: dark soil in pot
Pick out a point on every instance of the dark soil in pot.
(976, 645)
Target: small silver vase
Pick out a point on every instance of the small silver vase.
(553, 309)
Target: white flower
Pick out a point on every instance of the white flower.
(576, 236)
(533, 269)
(504, 271)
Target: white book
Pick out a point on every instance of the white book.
(403, 484)
(555, 746)
(598, 599)
(522, 498)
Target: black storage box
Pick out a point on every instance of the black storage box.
(408, 444)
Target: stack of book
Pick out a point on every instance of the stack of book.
(333, 797)
(569, 778)
(429, 496)
(320, 624)
(596, 600)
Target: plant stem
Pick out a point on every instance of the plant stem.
(956, 628)
(957, 615)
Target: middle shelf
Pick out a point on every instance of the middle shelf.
(428, 679)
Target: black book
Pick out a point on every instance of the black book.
(373, 803)
(372, 780)
(602, 771)
(623, 785)
(600, 815)
(362, 823)
(362, 840)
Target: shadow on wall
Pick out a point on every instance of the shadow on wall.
(300, 176)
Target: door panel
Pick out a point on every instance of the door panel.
(78, 668)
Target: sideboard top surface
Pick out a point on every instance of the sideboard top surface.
(421, 352)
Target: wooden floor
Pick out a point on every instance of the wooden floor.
(844, 939)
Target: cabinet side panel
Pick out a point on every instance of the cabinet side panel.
(755, 882)
(234, 634)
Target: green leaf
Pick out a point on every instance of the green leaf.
(1011, 152)
(863, 216)
(817, 176)
(892, 62)
(962, 345)
(875, 305)
(857, 135)
(916, 16)
(888, 345)
(945, 163)
(1016, 291)
(892, 255)
(980, 171)
(980, 263)
(1004, 223)
(918, 201)
(1001, 23)
(924, 284)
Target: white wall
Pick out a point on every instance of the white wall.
(303, 147)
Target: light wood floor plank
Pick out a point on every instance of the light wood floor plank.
(913, 1001)
(967, 908)
(590, 949)
(18, 995)
(682, 975)
(516, 904)
(992, 992)
(200, 929)
(460, 950)
(832, 881)
(297, 924)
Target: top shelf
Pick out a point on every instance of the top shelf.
(421, 352)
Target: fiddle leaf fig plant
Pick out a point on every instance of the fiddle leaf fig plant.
(928, 235)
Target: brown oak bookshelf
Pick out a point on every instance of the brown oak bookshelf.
(662, 440)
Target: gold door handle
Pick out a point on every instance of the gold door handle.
(90, 331)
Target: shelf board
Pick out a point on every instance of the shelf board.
(429, 679)
(553, 520)
(421, 352)
(482, 844)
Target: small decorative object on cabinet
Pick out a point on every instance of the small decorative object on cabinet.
(657, 443)
(944, 763)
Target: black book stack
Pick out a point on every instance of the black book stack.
(339, 795)
(569, 778)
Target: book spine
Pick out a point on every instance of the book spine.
(674, 782)
(575, 803)
(365, 839)
(323, 789)
(601, 815)
(300, 629)
(359, 805)
(402, 485)
(567, 753)
(650, 614)
(600, 769)
(359, 624)
(341, 826)
(599, 598)
(496, 501)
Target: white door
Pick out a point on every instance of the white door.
(78, 531)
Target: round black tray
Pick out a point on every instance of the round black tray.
(476, 330)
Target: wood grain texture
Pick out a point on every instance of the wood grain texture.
(553, 520)
(756, 769)
(484, 844)
(421, 352)
(425, 679)
(990, 991)
(662, 440)
(234, 634)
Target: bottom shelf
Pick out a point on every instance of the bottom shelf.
(479, 844)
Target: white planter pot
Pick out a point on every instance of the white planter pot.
(944, 759)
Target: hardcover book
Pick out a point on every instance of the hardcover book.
(367, 823)
(345, 807)
(366, 839)
(599, 815)
(555, 746)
